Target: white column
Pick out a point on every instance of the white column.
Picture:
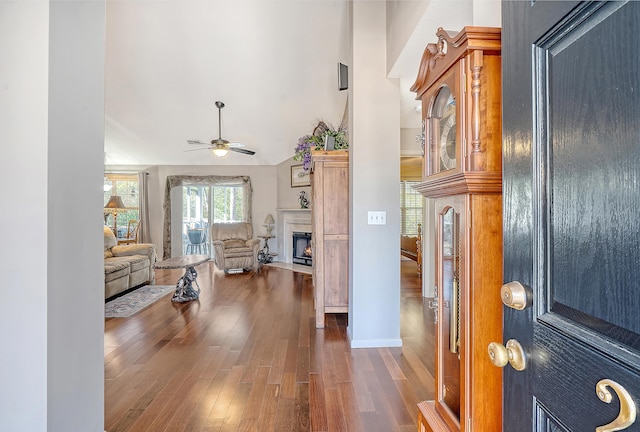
(24, 28)
(374, 165)
(51, 271)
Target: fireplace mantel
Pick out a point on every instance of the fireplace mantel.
(288, 221)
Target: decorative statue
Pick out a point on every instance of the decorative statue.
(184, 288)
(304, 201)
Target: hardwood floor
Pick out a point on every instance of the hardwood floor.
(247, 357)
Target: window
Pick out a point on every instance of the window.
(125, 186)
(229, 205)
(200, 201)
(410, 208)
(195, 205)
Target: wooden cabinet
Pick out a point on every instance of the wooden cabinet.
(330, 232)
(460, 88)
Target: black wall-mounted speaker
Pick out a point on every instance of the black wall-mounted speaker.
(343, 77)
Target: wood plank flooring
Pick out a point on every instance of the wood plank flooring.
(247, 357)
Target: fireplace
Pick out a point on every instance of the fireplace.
(289, 221)
(302, 248)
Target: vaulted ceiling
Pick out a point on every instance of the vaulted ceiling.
(272, 62)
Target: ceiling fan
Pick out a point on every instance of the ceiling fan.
(220, 147)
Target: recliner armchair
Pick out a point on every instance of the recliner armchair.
(234, 246)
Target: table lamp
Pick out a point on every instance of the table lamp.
(268, 224)
(113, 206)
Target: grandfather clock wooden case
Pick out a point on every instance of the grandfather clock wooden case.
(460, 87)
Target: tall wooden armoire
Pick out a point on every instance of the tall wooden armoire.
(330, 232)
(460, 88)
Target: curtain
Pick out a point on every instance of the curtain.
(144, 233)
(179, 181)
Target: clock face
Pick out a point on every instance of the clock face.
(443, 117)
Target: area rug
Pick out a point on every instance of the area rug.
(135, 301)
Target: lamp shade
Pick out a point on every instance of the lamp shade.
(220, 151)
(115, 202)
(269, 219)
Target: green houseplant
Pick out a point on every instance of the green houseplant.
(316, 141)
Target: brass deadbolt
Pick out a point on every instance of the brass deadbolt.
(514, 295)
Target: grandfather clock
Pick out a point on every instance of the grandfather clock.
(459, 85)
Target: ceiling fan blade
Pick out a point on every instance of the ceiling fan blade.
(204, 148)
(241, 150)
(219, 143)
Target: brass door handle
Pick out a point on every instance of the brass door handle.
(515, 295)
(627, 415)
(512, 353)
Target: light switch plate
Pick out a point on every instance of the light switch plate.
(377, 218)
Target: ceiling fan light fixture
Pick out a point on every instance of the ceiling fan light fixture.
(221, 147)
(220, 151)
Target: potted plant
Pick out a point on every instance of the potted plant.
(321, 135)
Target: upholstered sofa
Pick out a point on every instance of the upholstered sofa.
(234, 246)
(126, 266)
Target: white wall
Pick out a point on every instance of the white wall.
(75, 312)
(408, 144)
(374, 155)
(487, 13)
(402, 18)
(287, 195)
(52, 315)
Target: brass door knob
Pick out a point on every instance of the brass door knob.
(498, 354)
(515, 295)
(512, 353)
(516, 355)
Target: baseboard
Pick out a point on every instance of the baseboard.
(375, 343)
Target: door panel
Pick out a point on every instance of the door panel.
(569, 372)
(571, 173)
(546, 422)
(591, 155)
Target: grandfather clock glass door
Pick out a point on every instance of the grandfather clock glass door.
(449, 289)
(572, 215)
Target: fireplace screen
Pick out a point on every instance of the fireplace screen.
(302, 248)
